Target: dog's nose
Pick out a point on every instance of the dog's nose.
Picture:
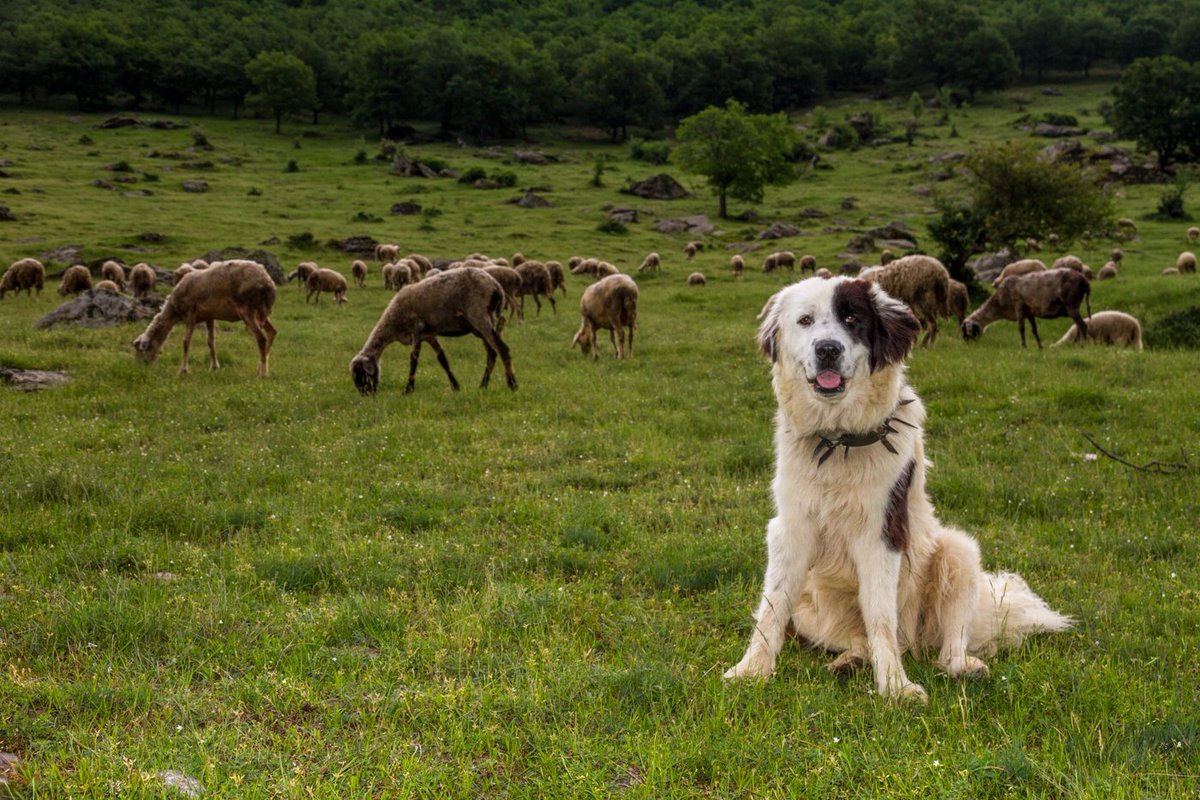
(828, 350)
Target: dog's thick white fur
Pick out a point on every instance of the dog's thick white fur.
(857, 561)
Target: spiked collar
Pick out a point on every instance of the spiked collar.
(827, 444)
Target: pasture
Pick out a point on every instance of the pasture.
(279, 588)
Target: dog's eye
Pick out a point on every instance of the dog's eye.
(805, 321)
(851, 319)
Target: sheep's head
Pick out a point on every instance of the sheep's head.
(583, 339)
(971, 330)
(146, 349)
(365, 370)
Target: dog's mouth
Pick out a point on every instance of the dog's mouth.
(829, 382)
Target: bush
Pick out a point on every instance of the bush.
(505, 179)
(292, 166)
(615, 227)
(360, 157)
(200, 140)
(651, 152)
(841, 137)
(1179, 330)
(302, 241)
(472, 175)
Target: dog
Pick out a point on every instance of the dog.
(857, 561)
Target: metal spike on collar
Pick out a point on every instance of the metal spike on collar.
(826, 446)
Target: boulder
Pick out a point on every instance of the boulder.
(67, 254)
(361, 245)
(860, 244)
(529, 157)
(1056, 131)
(529, 200)
(403, 165)
(1065, 150)
(93, 309)
(118, 122)
(406, 209)
(779, 230)
(863, 123)
(989, 265)
(893, 230)
(195, 185)
(6, 214)
(625, 216)
(30, 380)
(697, 224)
(658, 187)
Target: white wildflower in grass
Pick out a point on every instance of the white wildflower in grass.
(1090, 456)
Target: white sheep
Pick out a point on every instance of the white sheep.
(106, 286)
(386, 252)
(301, 273)
(1186, 262)
(808, 263)
(696, 279)
(609, 303)
(1108, 271)
(738, 265)
(1193, 233)
(651, 263)
(1068, 262)
(142, 278)
(1108, 327)
(1022, 267)
(923, 283)
(112, 271)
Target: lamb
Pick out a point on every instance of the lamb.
(558, 279)
(1186, 262)
(1050, 294)
(1068, 262)
(227, 291)
(1193, 233)
(1116, 255)
(452, 303)
(1108, 327)
(823, 273)
(690, 250)
(535, 280)
(24, 273)
(651, 263)
(106, 286)
(303, 270)
(921, 282)
(180, 272)
(780, 260)
(1109, 270)
(326, 280)
(112, 271)
(1022, 267)
(696, 279)
(386, 252)
(75, 279)
(359, 270)
(608, 303)
(604, 269)
(958, 302)
(738, 265)
(1171, 271)
(519, 258)
(422, 264)
(808, 263)
(143, 279)
(510, 281)
(1032, 245)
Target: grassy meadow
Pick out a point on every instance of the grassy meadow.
(279, 588)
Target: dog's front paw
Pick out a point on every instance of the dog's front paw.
(967, 667)
(907, 692)
(751, 666)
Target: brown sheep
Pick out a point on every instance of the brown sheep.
(1022, 267)
(1116, 255)
(75, 279)
(690, 250)
(823, 273)
(1186, 262)
(326, 280)
(519, 258)
(180, 272)
(922, 283)
(24, 273)
(1171, 271)
(112, 271)
(227, 291)
(359, 270)
(738, 265)
(609, 303)
(535, 281)
(421, 263)
(1108, 271)
(1068, 262)
(958, 302)
(452, 303)
(604, 269)
(301, 273)
(780, 260)
(696, 279)
(510, 281)
(808, 263)
(400, 274)
(558, 278)
(386, 252)
(142, 279)
(1050, 294)
(1108, 327)
(1193, 233)
(106, 286)
(651, 263)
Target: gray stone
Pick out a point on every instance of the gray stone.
(658, 187)
(779, 230)
(93, 309)
(698, 223)
(188, 787)
(30, 380)
(195, 185)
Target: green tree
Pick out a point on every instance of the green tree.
(740, 153)
(284, 84)
(618, 88)
(381, 76)
(1155, 104)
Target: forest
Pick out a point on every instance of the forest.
(492, 68)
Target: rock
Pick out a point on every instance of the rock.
(849, 203)
(151, 236)
(529, 200)
(863, 123)
(893, 230)
(165, 125)
(8, 767)
(195, 185)
(269, 260)
(989, 265)
(896, 244)
(921, 190)
(658, 187)
(118, 122)
(695, 224)
(6, 214)
(406, 209)
(188, 787)
(529, 157)
(100, 183)
(626, 216)
(403, 165)
(1103, 136)
(1056, 131)
(361, 245)
(4, 162)
(749, 215)
(1050, 91)
(271, 242)
(952, 156)
(29, 380)
(860, 244)
(93, 309)
(67, 254)
(138, 193)
(779, 230)
(813, 213)
(1065, 150)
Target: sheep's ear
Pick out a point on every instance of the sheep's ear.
(768, 332)
(895, 331)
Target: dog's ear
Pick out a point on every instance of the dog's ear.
(768, 332)
(895, 330)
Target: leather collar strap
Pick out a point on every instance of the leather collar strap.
(827, 445)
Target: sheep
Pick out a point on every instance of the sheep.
(200, 263)
(1116, 255)
(1050, 294)
(1087, 273)
(143, 279)
(112, 271)
(697, 245)
(359, 270)
(303, 270)
(1068, 262)
(1108, 327)
(400, 274)
(923, 283)
(24, 273)
(1032, 245)
(689, 250)
(1109, 270)
(421, 263)
(180, 272)
(106, 286)
(604, 269)
(227, 291)
(519, 258)
(808, 263)
(1171, 271)
(386, 252)
(823, 273)
(1193, 233)
(738, 265)
(958, 302)
(651, 263)
(779, 260)
(535, 280)
(696, 279)
(609, 303)
(75, 279)
(1186, 262)
(326, 280)
(572, 264)
(433, 271)
(558, 279)
(1022, 267)
(1128, 227)
(869, 273)
(510, 281)
(451, 303)
(580, 266)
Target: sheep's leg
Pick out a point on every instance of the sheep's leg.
(629, 347)
(538, 303)
(494, 344)
(412, 365)
(1021, 328)
(490, 365)
(550, 297)
(1081, 323)
(187, 343)
(441, 357)
(1033, 327)
(212, 344)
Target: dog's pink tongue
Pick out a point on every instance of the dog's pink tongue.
(829, 379)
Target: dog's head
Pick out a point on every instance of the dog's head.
(832, 334)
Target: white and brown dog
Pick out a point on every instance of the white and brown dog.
(857, 561)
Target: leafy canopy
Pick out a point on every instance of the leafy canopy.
(1155, 104)
(284, 84)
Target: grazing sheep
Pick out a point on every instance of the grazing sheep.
(519, 258)
(75, 279)
(535, 281)
(1068, 262)
(1128, 227)
(1022, 267)
(326, 280)
(432, 271)
(609, 303)
(1050, 294)
(419, 263)
(200, 263)
(651, 263)
(1186, 262)
(699, 245)
(808, 263)
(869, 273)
(400, 274)
(112, 271)
(922, 283)
(227, 291)
(823, 273)
(510, 281)
(386, 252)
(604, 269)
(572, 264)
(180, 272)
(1171, 271)
(303, 270)
(1087, 273)
(1116, 255)
(581, 266)
(24, 273)
(780, 260)
(690, 250)
(451, 303)
(958, 302)
(359, 270)
(106, 286)
(1109, 270)
(1032, 245)
(142, 278)
(558, 279)
(1193, 233)
(738, 265)
(696, 279)
(1108, 327)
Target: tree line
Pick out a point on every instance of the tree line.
(492, 68)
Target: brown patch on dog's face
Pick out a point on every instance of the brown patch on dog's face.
(884, 326)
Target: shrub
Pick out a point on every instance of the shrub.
(255, 191)
(651, 152)
(615, 227)
(1178, 330)
(506, 179)
(302, 241)
(360, 157)
(472, 175)
(292, 166)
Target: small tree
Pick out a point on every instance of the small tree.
(740, 153)
(1154, 104)
(284, 84)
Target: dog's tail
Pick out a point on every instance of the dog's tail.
(1009, 611)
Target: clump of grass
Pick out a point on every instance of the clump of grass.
(614, 227)
(292, 166)
(302, 241)
(1180, 330)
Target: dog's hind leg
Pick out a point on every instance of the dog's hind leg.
(833, 622)
(954, 579)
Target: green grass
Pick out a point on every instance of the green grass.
(282, 588)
